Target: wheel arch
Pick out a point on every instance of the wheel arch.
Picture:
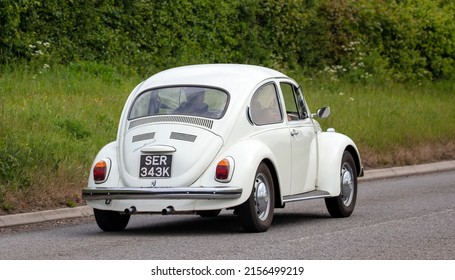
(276, 184)
(331, 146)
(356, 155)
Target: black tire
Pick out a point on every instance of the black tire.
(256, 214)
(343, 205)
(110, 220)
(208, 213)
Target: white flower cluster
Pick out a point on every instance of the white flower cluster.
(37, 50)
(356, 67)
(40, 54)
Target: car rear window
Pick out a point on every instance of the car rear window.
(194, 101)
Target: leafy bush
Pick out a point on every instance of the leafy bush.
(415, 38)
(401, 40)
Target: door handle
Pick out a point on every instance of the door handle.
(294, 132)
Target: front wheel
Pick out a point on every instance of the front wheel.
(343, 205)
(110, 220)
(256, 213)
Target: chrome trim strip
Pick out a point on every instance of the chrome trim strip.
(162, 193)
(172, 118)
(158, 149)
(306, 196)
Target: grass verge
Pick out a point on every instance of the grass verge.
(392, 124)
(53, 121)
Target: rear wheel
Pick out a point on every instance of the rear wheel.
(256, 213)
(110, 220)
(343, 205)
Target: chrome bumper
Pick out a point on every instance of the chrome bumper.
(162, 193)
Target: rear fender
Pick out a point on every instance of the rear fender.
(108, 152)
(247, 156)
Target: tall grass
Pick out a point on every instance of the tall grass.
(53, 121)
(393, 124)
(52, 124)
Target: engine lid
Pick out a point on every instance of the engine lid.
(166, 154)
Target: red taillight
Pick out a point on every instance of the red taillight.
(100, 171)
(224, 170)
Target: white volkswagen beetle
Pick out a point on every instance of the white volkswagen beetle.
(202, 138)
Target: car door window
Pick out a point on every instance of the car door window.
(265, 107)
(293, 99)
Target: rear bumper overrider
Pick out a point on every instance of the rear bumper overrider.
(101, 193)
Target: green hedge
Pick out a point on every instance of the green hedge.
(400, 40)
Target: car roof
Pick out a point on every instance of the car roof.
(231, 77)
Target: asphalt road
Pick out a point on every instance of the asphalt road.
(403, 218)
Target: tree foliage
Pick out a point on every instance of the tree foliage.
(397, 39)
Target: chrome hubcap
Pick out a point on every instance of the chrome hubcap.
(261, 196)
(347, 184)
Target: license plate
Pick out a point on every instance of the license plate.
(155, 166)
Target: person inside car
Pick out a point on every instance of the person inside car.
(194, 104)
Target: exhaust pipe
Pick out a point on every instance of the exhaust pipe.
(130, 210)
(168, 210)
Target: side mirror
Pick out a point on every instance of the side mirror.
(322, 113)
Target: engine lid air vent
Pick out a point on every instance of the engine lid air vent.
(182, 119)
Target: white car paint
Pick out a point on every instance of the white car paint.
(304, 160)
